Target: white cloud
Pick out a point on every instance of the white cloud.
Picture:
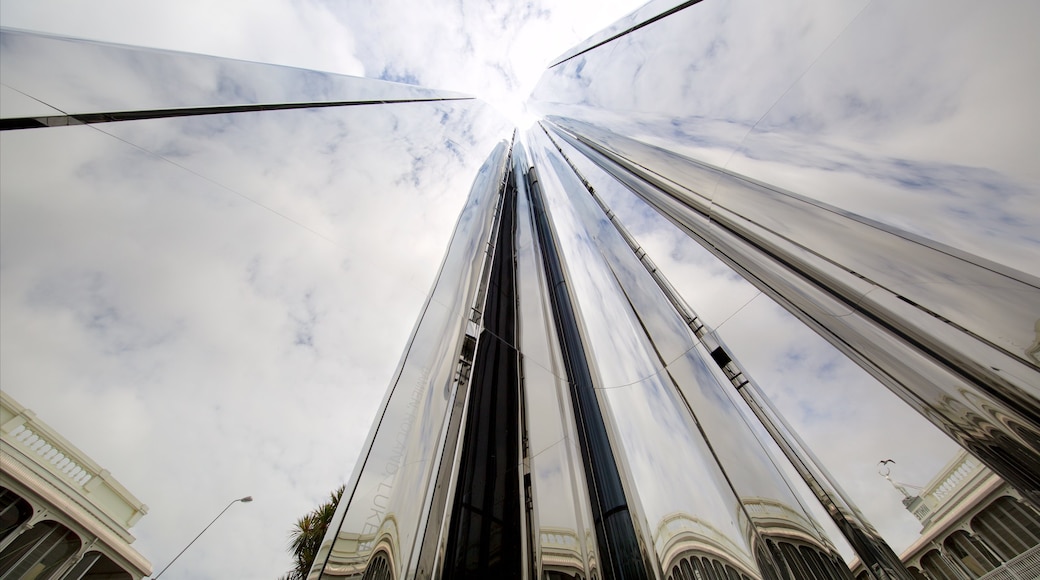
(495, 50)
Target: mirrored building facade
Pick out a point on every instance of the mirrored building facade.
(561, 410)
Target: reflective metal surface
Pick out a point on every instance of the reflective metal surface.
(870, 547)
(562, 532)
(136, 230)
(614, 514)
(660, 389)
(644, 16)
(559, 411)
(487, 533)
(389, 502)
(62, 74)
(839, 190)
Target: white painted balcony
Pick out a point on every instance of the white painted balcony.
(30, 447)
(946, 490)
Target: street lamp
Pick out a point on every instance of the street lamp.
(245, 499)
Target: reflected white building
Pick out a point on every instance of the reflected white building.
(62, 516)
(561, 410)
(974, 526)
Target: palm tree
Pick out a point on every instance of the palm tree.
(305, 537)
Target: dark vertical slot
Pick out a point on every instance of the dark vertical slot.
(484, 539)
(615, 532)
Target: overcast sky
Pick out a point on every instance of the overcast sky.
(240, 343)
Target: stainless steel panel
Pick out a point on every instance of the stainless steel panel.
(911, 350)
(931, 132)
(847, 197)
(863, 538)
(642, 16)
(562, 532)
(622, 547)
(16, 104)
(713, 64)
(77, 76)
(661, 394)
(775, 431)
(394, 479)
(147, 225)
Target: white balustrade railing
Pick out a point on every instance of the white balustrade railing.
(937, 498)
(47, 453)
(32, 444)
(953, 478)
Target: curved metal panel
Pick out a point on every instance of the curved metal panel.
(831, 179)
(620, 546)
(662, 398)
(873, 551)
(78, 76)
(563, 540)
(486, 536)
(388, 502)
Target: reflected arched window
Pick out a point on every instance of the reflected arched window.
(720, 572)
(709, 570)
(938, 568)
(1008, 527)
(970, 552)
(767, 557)
(814, 562)
(836, 566)
(378, 568)
(1027, 433)
(38, 552)
(687, 571)
(794, 561)
(698, 569)
(14, 511)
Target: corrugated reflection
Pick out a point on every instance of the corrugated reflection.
(843, 194)
(388, 502)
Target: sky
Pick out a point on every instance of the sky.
(241, 343)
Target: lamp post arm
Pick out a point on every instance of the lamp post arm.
(196, 538)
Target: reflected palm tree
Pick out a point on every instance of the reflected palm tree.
(306, 535)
